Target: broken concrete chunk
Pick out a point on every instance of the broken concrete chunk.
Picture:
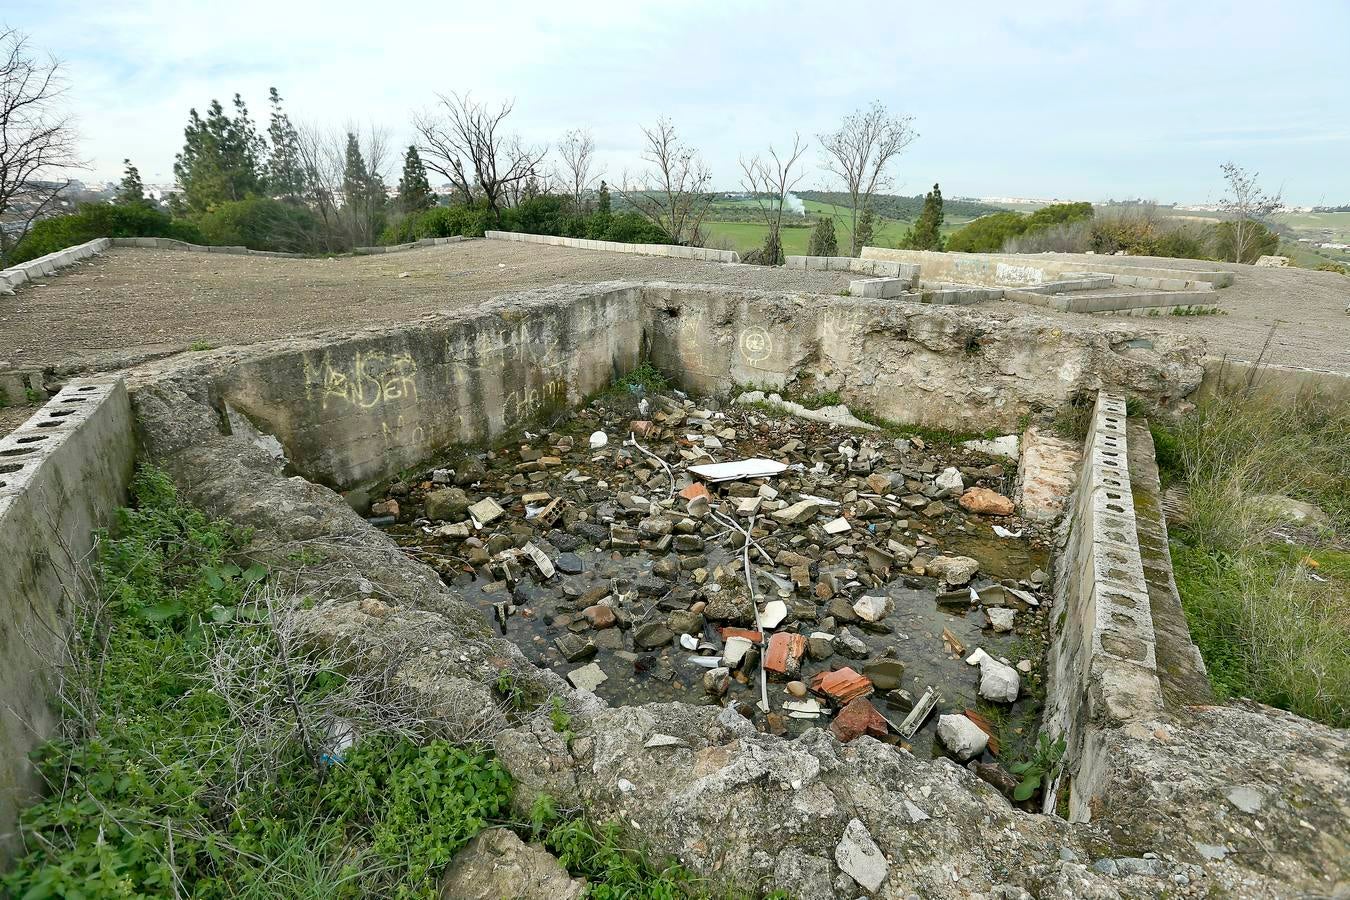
(859, 717)
(498, 864)
(986, 502)
(872, 608)
(837, 526)
(486, 511)
(949, 479)
(574, 647)
(774, 612)
(953, 570)
(447, 505)
(587, 678)
(801, 511)
(961, 736)
(998, 681)
(1001, 618)
(859, 857)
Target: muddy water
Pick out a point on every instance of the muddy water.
(913, 633)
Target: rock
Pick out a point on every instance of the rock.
(574, 647)
(498, 864)
(886, 674)
(796, 688)
(846, 643)
(726, 606)
(486, 511)
(569, 564)
(878, 483)
(448, 505)
(949, 479)
(600, 616)
(986, 502)
(716, 681)
(820, 646)
(685, 622)
(667, 567)
(1287, 509)
(998, 681)
(385, 508)
(1247, 798)
(961, 736)
(654, 527)
(841, 610)
(935, 509)
(992, 773)
(953, 570)
(859, 717)
(837, 526)
(1001, 618)
(587, 678)
(873, 608)
(801, 511)
(1024, 666)
(859, 857)
(652, 636)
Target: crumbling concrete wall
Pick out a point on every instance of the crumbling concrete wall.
(937, 366)
(62, 473)
(1015, 269)
(354, 408)
(50, 264)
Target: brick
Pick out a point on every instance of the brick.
(784, 656)
(842, 685)
(858, 718)
(749, 634)
(694, 490)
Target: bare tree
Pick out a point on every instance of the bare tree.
(1248, 206)
(468, 144)
(673, 193)
(321, 166)
(37, 141)
(769, 180)
(859, 152)
(577, 149)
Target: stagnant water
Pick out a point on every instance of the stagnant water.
(597, 487)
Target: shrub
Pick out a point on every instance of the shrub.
(261, 223)
(1332, 267)
(542, 214)
(1257, 239)
(987, 234)
(823, 242)
(1068, 237)
(627, 228)
(1058, 214)
(96, 220)
(439, 221)
(1143, 231)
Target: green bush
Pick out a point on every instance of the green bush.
(261, 223)
(1058, 214)
(987, 234)
(1145, 232)
(1332, 267)
(96, 220)
(439, 221)
(1258, 241)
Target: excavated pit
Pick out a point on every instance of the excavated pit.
(639, 598)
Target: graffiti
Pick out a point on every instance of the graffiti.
(373, 378)
(755, 343)
(840, 322)
(523, 403)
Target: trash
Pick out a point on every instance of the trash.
(1005, 533)
(837, 526)
(803, 709)
(342, 735)
(784, 654)
(598, 440)
(486, 511)
(541, 561)
(961, 736)
(688, 642)
(841, 685)
(953, 643)
(774, 612)
(740, 469)
(735, 651)
(918, 715)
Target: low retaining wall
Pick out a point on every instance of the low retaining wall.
(876, 267)
(62, 473)
(1152, 302)
(1103, 658)
(1287, 384)
(47, 265)
(1015, 269)
(672, 250)
(160, 243)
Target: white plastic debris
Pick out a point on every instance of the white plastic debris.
(598, 440)
(688, 642)
(741, 468)
(1005, 533)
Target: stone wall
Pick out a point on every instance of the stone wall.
(1015, 269)
(62, 473)
(1103, 660)
(673, 250)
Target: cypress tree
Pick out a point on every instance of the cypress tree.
(285, 173)
(414, 190)
(130, 191)
(926, 234)
(823, 239)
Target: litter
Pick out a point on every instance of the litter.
(774, 612)
(598, 440)
(1005, 533)
(541, 561)
(707, 662)
(742, 468)
(914, 721)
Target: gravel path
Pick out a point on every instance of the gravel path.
(136, 301)
(132, 302)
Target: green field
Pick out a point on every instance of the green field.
(743, 235)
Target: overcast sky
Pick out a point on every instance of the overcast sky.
(1082, 100)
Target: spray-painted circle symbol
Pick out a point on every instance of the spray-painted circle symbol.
(756, 345)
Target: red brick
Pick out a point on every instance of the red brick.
(842, 685)
(858, 718)
(784, 656)
(749, 634)
(694, 490)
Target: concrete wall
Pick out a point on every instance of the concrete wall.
(1284, 384)
(1103, 657)
(1153, 302)
(942, 366)
(160, 243)
(48, 265)
(672, 250)
(1015, 269)
(353, 409)
(875, 267)
(62, 473)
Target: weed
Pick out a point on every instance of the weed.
(1073, 419)
(200, 346)
(819, 399)
(645, 379)
(34, 396)
(1038, 772)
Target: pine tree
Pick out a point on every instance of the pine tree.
(220, 159)
(414, 190)
(926, 233)
(130, 191)
(363, 195)
(285, 172)
(602, 201)
(823, 239)
(865, 225)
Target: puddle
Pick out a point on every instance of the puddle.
(692, 576)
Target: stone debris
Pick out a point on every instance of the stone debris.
(859, 857)
(998, 681)
(632, 556)
(497, 863)
(961, 736)
(986, 502)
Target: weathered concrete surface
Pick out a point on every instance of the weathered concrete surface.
(62, 473)
(674, 250)
(171, 244)
(1046, 472)
(50, 264)
(496, 865)
(351, 409)
(938, 366)
(1103, 657)
(1018, 269)
(878, 268)
(1280, 384)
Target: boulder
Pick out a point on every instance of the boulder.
(498, 864)
(986, 502)
(448, 505)
(953, 570)
(961, 736)
(998, 681)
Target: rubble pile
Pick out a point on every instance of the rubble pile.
(653, 548)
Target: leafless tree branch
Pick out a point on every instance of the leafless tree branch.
(674, 192)
(468, 144)
(769, 181)
(860, 151)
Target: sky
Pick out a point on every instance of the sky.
(1075, 100)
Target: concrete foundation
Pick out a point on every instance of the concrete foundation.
(1032, 269)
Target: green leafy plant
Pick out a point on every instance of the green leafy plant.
(1039, 772)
